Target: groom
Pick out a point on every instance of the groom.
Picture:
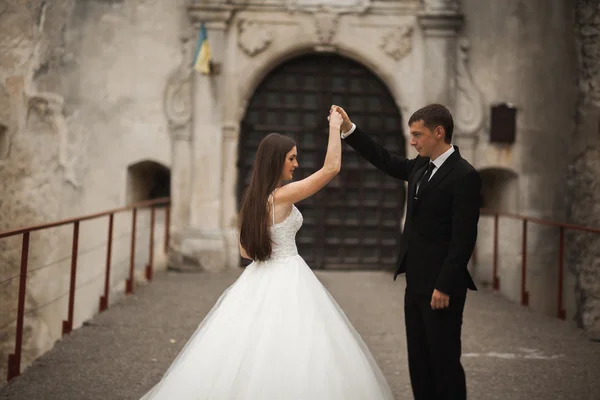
(437, 242)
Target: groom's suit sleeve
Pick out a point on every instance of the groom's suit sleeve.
(392, 164)
(465, 216)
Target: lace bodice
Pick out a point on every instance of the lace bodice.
(283, 235)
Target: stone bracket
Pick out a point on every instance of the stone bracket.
(440, 24)
(215, 15)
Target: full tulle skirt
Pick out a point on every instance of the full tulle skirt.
(276, 333)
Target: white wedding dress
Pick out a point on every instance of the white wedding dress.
(275, 334)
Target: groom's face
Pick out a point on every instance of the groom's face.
(423, 139)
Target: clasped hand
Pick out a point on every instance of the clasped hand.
(335, 119)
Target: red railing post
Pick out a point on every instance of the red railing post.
(129, 283)
(104, 299)
(524, 293)
(68, 324)
(167, 223)
(151, 250)
(14, 360)
(495, 273)
(561, 251)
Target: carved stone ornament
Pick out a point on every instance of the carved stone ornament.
(49, 106)
(398, 43)
(326, 26)
(334, 6)
(178, 92)
(254, 37)
(469, 101)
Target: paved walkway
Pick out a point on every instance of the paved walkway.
(509, 352)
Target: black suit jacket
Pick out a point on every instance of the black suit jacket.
(441, 222)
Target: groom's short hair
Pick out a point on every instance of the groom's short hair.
(434, 115)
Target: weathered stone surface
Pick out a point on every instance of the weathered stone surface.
(81, 89)
(584, 170)
(30, 173)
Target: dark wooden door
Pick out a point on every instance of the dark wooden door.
(355, 221)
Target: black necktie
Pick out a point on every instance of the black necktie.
(426, 177)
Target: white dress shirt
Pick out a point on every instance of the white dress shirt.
(441, 159)
(346, 134)
(437, 162)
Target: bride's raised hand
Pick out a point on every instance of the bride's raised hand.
(300, 190)
(335, 120)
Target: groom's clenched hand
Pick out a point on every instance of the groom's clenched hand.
(439, 300)
(346, 124)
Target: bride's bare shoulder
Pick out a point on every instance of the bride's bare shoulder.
(282, 207)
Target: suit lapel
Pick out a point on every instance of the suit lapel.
(441, 173)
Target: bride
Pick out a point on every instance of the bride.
(276, 333)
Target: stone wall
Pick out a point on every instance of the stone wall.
(81, 99)
(523, 52)
(583, 187)
(30, 170)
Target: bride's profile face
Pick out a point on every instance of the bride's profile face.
(291, 163)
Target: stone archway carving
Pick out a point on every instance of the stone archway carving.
(248, 83)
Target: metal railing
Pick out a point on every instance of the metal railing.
(562, 227)
(14, 360)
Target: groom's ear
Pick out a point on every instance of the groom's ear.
(440, 132)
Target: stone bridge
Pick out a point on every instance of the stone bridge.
(509, 352)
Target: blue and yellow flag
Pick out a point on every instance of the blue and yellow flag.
(203, 56)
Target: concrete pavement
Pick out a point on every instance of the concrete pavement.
(509, 352)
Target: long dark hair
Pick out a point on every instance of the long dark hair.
(255, 237)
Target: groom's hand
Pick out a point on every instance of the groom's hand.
(346, 124)
(439, 300)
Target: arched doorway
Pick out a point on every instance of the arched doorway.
(355, 221)
(147, 180)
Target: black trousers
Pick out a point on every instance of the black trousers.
(434, 347)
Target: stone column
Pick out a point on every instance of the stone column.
(440, 22)
(231, 132)
(446, 78)
(204, 243)
(178, 110)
